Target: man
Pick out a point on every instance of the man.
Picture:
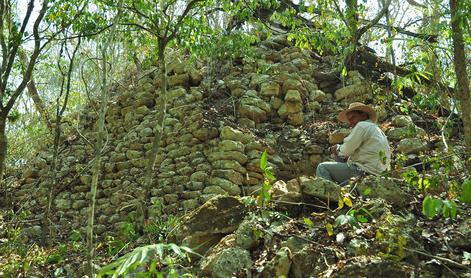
(366, 147)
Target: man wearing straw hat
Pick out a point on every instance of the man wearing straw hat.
(366, 147)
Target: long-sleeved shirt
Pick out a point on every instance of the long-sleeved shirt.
(367, 147)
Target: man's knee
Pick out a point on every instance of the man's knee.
(322, 171)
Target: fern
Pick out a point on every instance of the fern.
(145, 255)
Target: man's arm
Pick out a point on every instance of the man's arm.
(352, 141)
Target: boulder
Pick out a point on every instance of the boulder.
(398, 133)
(279, 266)
(411, 145)
(320, 188)
(293, 96)
(269, 89)
(254, 113)
(245, 236)
(402, 121)
(219, 215)
(351, 92)
(317, 95)
(387, 189)
(226, 263)
(375, 267)
(229, 133)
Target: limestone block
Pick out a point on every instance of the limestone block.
(229, 133)
(146, 132)
(186, 171)
(126, 110)
(279, 266)
(283, 111)
(386, 189)
(194, 185)
(398, 133)
(79, 204)
(214, 189)
(254, 145)
(254, 113)
(190, 194)
(231, 175)
(317, 95)
(301, 64)
(292, 84)
(269, 89)
(227, 185)
(320, 188)
(171, 198)
(86, 179)
(131, 154)
(402, 121)
(177, 93)
(296, 118)
(176, 66)
(230, 145)
(190, 204)
(179, 80)
(144, 98)
(275, 103)
(351, 91)
(63, 204)
(293, 96)
(182, 151)
(221, 214)
(196, 76)
(314, 106)
(238, 92)
(226, 263)
(228, 155)
(141, 110)
(247, 122)
(196, 93)
(257, 80)
(251, 99)
(411, 145)
(293, 107)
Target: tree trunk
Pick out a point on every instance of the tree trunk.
(462, 84)
(3, 143)
(158, 130)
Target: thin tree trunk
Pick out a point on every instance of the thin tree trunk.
(159, 130)
(33, 92)
(3, 143)
(463, 91)
(65, 87)
(96, 168)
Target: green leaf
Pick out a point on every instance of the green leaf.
(367, 191)
(431, 206)
(449, 209)
(346, 219)
(263, 160)
(330, 229)
(466, 196)
(308, 222)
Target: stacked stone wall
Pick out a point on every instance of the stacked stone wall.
(214, 135)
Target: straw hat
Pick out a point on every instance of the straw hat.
(358, 106)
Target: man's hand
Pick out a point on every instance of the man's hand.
(334, 149)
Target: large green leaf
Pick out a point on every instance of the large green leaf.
(263, 161)
(431, 206)
(466, 196)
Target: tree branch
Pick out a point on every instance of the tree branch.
(34, 56)
(15, 45)
(375, 20)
